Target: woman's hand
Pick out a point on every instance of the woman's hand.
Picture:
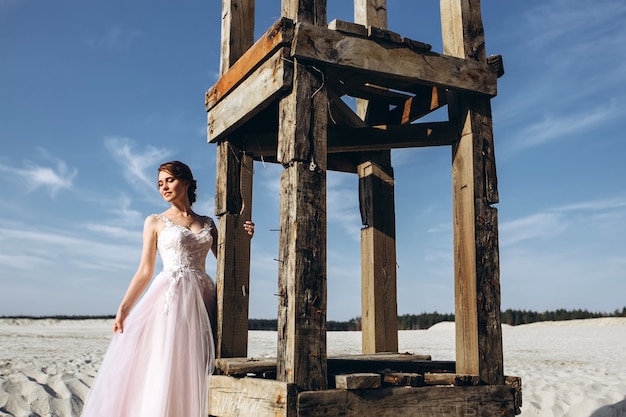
(249, 227)
(118, 324)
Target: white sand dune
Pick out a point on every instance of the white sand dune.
(573, 368)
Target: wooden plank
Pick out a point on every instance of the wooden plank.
(243, 366)
(302, 277)
(419, 105)
(374, 92)
(381, 356)
(366, 56)
(348, 27)
(451, 379)
(271, 80)
(408, 379)
(280, 34)
(513, 382)
(340, 113)
(250, 397)
(382, 34)
(358, 381)
(346, 139)
(339, 365)
(481, 401)
(378, 362)
(476, 253)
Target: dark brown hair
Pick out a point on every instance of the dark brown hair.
(181, 172)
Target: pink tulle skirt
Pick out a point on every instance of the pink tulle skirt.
(161, 363)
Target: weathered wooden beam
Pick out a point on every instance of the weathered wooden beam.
(407, 379)
(486, 400)
(333, 48)
(352, 140)
(382, 356)
(251, 397)
(417, 135)
(307, 11)
(233, 266)
(338, 365)
(362, 380)
(302, 277)
(371, 12)
(279, 35)
(237, 31)
(267, 83)
(379, 311)
(476, 254)
(379, 315)
(451, 379)
(302, 130)
(373, 92)
(513, 382)
(420, 105)
(233, 197)
(343, 365)
(340, 113)
(348, 27)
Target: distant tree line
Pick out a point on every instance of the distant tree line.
(426, 320)
(405, 321)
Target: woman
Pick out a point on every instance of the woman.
(162, 352)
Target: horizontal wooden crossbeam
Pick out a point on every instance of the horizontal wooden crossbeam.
(320, 45)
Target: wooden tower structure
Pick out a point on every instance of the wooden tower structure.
(279, 99)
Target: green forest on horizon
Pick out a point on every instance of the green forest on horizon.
(405, 322)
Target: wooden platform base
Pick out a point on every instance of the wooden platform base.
(427, 388)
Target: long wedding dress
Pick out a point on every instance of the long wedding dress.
(159, 366)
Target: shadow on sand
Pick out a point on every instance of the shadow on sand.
(613, 410)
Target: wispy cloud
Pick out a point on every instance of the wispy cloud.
(594, 205)
(138, 165)
(535, 226)
(595, 22)
(574, 49)
(560, 126)
(52, 178)
(557, 220)
(21, 245)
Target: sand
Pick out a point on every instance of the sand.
(573, 368)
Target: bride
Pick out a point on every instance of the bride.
(162, 352)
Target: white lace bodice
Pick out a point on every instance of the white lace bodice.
(181, 249)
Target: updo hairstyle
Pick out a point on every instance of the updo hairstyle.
(181, 172)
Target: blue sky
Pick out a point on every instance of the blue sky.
(95, 95)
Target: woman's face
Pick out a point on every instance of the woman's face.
(171, 188)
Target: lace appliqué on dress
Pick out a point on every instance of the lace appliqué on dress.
(182, 251)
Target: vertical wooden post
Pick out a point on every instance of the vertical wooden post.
(379, 311)
(476, 254)
(233, 201)
(302, 149)
(378, 255)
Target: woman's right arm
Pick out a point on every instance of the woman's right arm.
(142, 277)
